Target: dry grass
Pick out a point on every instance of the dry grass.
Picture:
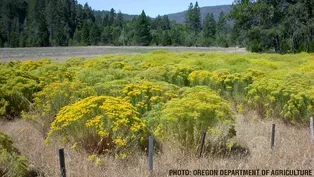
(63, 53)
(293, 150)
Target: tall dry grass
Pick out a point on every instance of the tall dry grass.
(293, 150)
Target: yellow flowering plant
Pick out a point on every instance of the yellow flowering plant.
(226, 83)
(54, 96)
(100, 124)
(16, 89)
(289, 97)
(11, 162)
(144, 94)
(200, 109)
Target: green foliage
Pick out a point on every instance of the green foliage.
(209, 30)
(37, 23)
(17, 88)
(280, 26)
(193, 18)
(199, 109)
(54, 96)
(11, 163)
(289, 96)
(172, 95)
(144, 95)
(143, 36)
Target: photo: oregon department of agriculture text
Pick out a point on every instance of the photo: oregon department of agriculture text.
(156, 88)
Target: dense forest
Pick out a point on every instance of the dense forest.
(260, 25)
(36, 23)
(284, 26)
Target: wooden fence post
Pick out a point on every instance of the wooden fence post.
(273, 137)
(150, 154)
(312, 129)
(202, 143)
(62, 162)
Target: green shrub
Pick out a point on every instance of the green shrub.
(11, 163)
(143, 95)
(54, 96)
(289, 97)
(200, 109)
(17, 88)
(100, 125)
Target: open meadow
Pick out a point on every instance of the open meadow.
(63, 53)
(102, 110)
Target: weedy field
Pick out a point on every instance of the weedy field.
(104, 108)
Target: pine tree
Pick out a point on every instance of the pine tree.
(209, 30)
(85, 34)
(143, 36)
(112, 16)
(222, 30)
(166, 40)
(37, 30)
(94, 35)
(189, 17)
(106, 20)
(79, 18)
(106, 35)
(116, 33)
(77, 37)
(221, 23)
(88, 13)
(156, 23)
(15, 33)
(178, 34)
(197, 19)
(120, 20)
(165, 23)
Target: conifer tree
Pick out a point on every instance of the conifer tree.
(143, 36)
(94, 35)
(209, 30)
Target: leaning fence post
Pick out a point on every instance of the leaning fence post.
(273, 137)
(150, 154)
(62, 162)
(202, 142)
(312, 129)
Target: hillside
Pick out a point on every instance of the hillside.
(180, 16)
(102, 13)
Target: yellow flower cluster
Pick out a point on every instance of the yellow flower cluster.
(223, 80)
(30, 65)
(290, 97)
(56, 95)
(109, 118)
(145, 94)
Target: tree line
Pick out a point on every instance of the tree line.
(39, 23)
(285, 26)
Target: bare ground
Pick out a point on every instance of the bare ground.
(63, 53)
(293, 150)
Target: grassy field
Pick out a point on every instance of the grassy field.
(293, 150)
(62, 53)
(103, 109)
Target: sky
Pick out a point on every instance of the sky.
(151, 7)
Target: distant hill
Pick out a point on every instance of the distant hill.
(102, 13)
(180, 16)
